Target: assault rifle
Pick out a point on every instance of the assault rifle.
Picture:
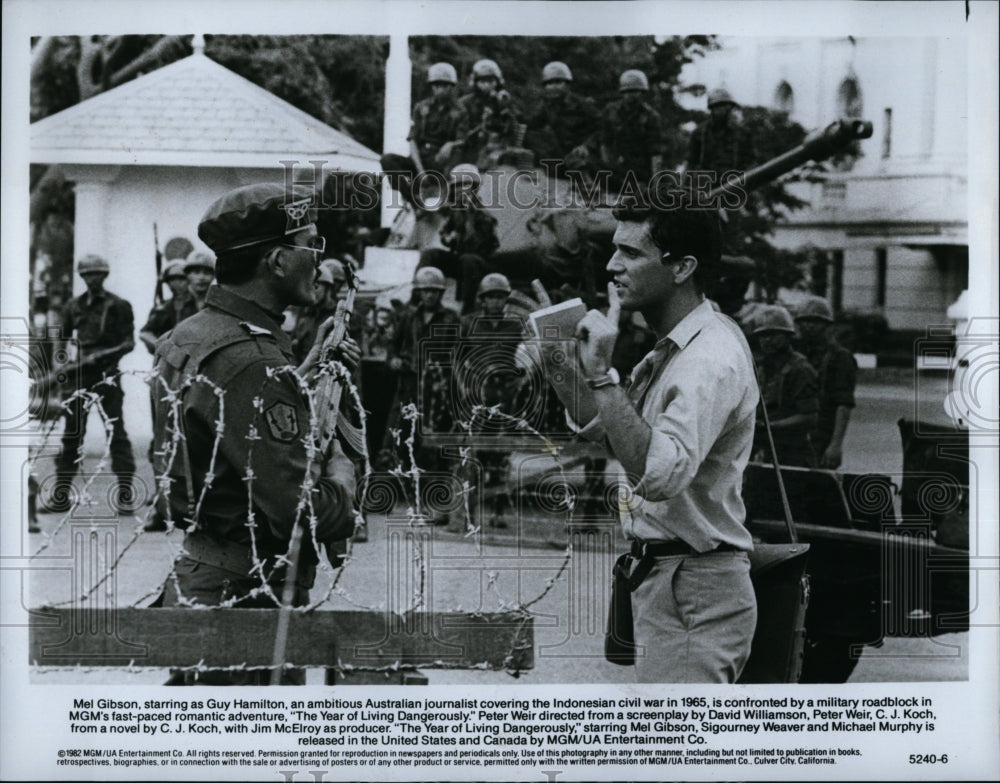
(326, 399)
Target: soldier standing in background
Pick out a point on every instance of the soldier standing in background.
(377, 380)
(328, 286)
(838, 374)
(487, 117)
(631, 132)
(165, 316)
(421, 355)
(789, 389)
(200, 270)
(565, 126)
(487, 376)
(102, 325)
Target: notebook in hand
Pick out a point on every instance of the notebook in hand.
(555, 330)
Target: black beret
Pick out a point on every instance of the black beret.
(255, 214)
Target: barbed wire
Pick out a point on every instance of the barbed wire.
(408, 476)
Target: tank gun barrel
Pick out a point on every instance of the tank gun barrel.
(819, 145)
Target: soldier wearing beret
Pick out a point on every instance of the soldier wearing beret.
(234, 444)
(102, 325)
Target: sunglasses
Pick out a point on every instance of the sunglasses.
(316, 246)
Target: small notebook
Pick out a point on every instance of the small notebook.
(557, 324)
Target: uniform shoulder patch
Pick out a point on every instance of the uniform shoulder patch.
(282, 421)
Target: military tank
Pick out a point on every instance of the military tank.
(553, 229)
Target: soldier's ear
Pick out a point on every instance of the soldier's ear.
(274, 261)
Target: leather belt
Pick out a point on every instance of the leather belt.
(672, 549)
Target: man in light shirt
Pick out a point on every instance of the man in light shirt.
(682, 430)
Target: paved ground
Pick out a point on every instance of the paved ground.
(474, 574)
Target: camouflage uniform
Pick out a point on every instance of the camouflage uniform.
(837, 373)
(435, 121)
(788, 386)
(470, 236)
(486, 123)
(561, 126)
(631, 133)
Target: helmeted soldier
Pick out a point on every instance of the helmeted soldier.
(102, 328)
(487, 378)
(165, 316)
(488, 117)
(565, 125)
(421, 355)
(434, 127)
(328, 286)
(232, 421)
(200, 270)
(434, 132)
(789, 389)
(469, 236)
(720, 143)
(631, 132)
(837, 371)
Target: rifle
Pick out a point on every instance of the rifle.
(328, 393)
(158, 293)
(90, 358)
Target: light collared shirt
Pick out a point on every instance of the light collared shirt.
(700, 403)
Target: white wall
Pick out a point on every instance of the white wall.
(115, 211)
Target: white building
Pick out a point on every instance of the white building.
(160, 149)
(896, 223)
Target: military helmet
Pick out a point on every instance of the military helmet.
(633, 80)
(442, 73)
(331, 272)
(174, 268)
(92, 264)
(494, 283)
(815, 308)
(484, 68)
(429, 277)
(199, 260)
(773, 318)
(556, 71)
(720, 96)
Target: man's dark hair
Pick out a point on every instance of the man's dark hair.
(239, 266)
(681, 228)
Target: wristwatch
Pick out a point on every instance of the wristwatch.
(610, 378)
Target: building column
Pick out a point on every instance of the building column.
(92, 186)
(396, 125)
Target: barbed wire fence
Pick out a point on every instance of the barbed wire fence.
(409, 485)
